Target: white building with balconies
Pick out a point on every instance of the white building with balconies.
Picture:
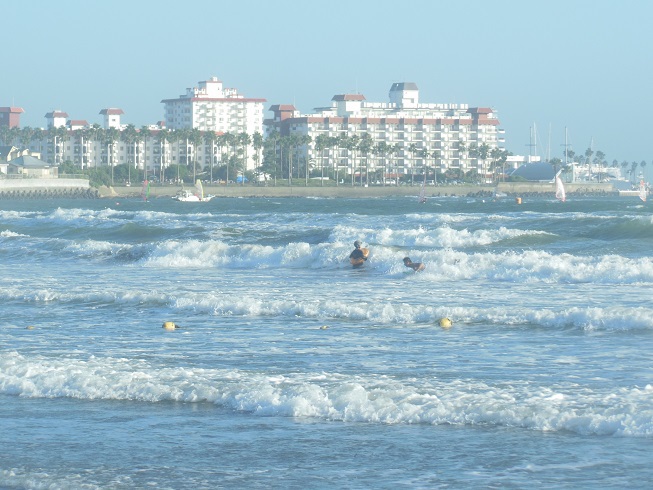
(405, 136)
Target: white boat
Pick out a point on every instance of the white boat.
(196, 196)
(186, 196)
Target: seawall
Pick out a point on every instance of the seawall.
(347, 191)
(80, 188)
(46, 188)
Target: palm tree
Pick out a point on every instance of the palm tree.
(382, 149)
(633, 167)
(230, 140)
(423, 153)
(5, 135)
(111, 135)
(365, 147)
(25, 136)
(286, 143)
(352, 147)
(162, 138)
(244, 140)
(335, 143)
(599, 160)
(130, 136)
(483, 153)
(394, 152)
(177, 136)
(144, 135)
(412, 149)
(624, 164)
(195, 137)
(210, 138)
(304, 140)
(270, 154)
(588, 161)
(257, 143)
(321, 143)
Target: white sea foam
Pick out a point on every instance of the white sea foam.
(10, 234)
(391, 311)
(625, 411)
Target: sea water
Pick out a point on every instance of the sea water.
(290, 369)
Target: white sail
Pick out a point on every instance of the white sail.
(642, 191)
(561, 195)
(199, 189)
(422, 192)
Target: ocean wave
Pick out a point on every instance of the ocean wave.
(395, 313)
(621, 411)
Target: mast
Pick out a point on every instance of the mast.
(532, 143)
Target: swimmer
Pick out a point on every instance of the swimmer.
(416, 266)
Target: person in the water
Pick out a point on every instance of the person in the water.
(359, 255)
(416, 266)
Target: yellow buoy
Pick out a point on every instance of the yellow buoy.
(30, 327)
(324, 327)
(445, 322)
(170, 325)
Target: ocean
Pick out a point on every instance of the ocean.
(290, 369)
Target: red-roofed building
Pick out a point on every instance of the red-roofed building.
(418, 137)
(56, 119)
(10, 117)
(112, 117)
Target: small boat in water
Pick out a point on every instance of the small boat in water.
(187, 196)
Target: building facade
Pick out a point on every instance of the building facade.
(210, 108)
(403, 136)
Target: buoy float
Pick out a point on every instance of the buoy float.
(518, 200)
(170, 325)
(30, 327)
(445, 323)
(324, 327)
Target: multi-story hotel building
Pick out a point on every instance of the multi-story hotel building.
(209, 108)
(212, 107)
(418, 136)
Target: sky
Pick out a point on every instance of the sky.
(580, 68)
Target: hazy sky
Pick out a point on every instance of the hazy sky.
(581, 64)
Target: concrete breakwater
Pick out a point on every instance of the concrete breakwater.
(47, 189)
(347, 191)
(80, 188)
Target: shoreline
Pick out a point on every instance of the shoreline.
(353, 192)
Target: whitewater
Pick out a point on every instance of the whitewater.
(290, 369)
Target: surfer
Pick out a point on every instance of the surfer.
(416, 266)
(359, 255)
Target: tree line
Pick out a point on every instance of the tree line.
(280, 159)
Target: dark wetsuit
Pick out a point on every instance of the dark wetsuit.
(416, 266)
(357, 254)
